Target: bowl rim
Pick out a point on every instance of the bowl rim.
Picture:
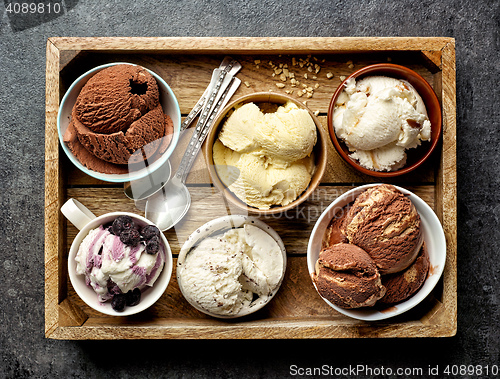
(321, 159)
(394, 69)
(215, 226)
(119, 178)
(432, 228)
(76, 279)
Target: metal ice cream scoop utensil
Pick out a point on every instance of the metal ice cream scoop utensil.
(141, 189)
(168, 206)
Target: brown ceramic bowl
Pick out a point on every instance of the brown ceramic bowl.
(266, 100)
(416, 156)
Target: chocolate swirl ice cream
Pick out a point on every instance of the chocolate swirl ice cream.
(386, 224)
(373, 251)
(348, 277)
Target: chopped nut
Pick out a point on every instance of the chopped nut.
(304, 85)
(246, 83)
(315, 77)
(299, 93)
(342, 77)
(271, 63)
(309, 68)
(278, 71)
(294, 62)
(309, 94)
(273, 75)
(323, 60)
(291, 75)
(317, 68)
(316, 113)
(309, 89)
(286, 72)
(281, 64)
(283, 77)
(349, 64)
(301, 64)
(285, 65)
(329, 75)
(305, 102)
(316, 59)
(280, 85)
(305, 75)
(287, 91)
(257, 61)
(257, 66)
(316, 85)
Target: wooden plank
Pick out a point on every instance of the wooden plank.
(245, 45)
(294, 226)
(446, 187)
(53, 227)
(296, 305)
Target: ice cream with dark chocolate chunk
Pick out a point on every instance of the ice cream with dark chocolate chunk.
(117, 120)
(386, 224)
(348, 277)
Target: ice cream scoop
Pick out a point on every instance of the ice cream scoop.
(348, 277)
(266, 159)
(227, 274)
(117, 121)
(385, 223)
(379, 118)
(401, 285)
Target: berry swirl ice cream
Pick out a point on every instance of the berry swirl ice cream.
(119, 261)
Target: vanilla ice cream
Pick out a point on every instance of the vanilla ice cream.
(227, 273)
(112, 267)
(266, 159)
(378, 118)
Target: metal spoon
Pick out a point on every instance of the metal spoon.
(168, 206)
(140, 189)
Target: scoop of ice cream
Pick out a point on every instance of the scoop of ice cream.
(347, 276)
(117, 121)
(258, 183)
(400, 286)
(386, 224)
(282, 137)
(266, 159)
(119, 147)
(379, 118)
(115, 97)
(112, 267)
(223, 273)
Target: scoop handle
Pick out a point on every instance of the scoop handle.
(77, 213)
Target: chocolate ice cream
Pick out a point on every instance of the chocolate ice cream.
(348, 277)
(400, 286)
(386, 224)
(117, 120)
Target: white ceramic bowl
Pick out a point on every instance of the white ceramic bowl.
(170, 107)
(149, 296)
(218, 226)
(435, 242)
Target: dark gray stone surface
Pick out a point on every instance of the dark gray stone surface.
(26, 353)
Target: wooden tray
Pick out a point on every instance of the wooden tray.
(297, 311)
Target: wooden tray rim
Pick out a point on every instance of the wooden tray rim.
(65, 321)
